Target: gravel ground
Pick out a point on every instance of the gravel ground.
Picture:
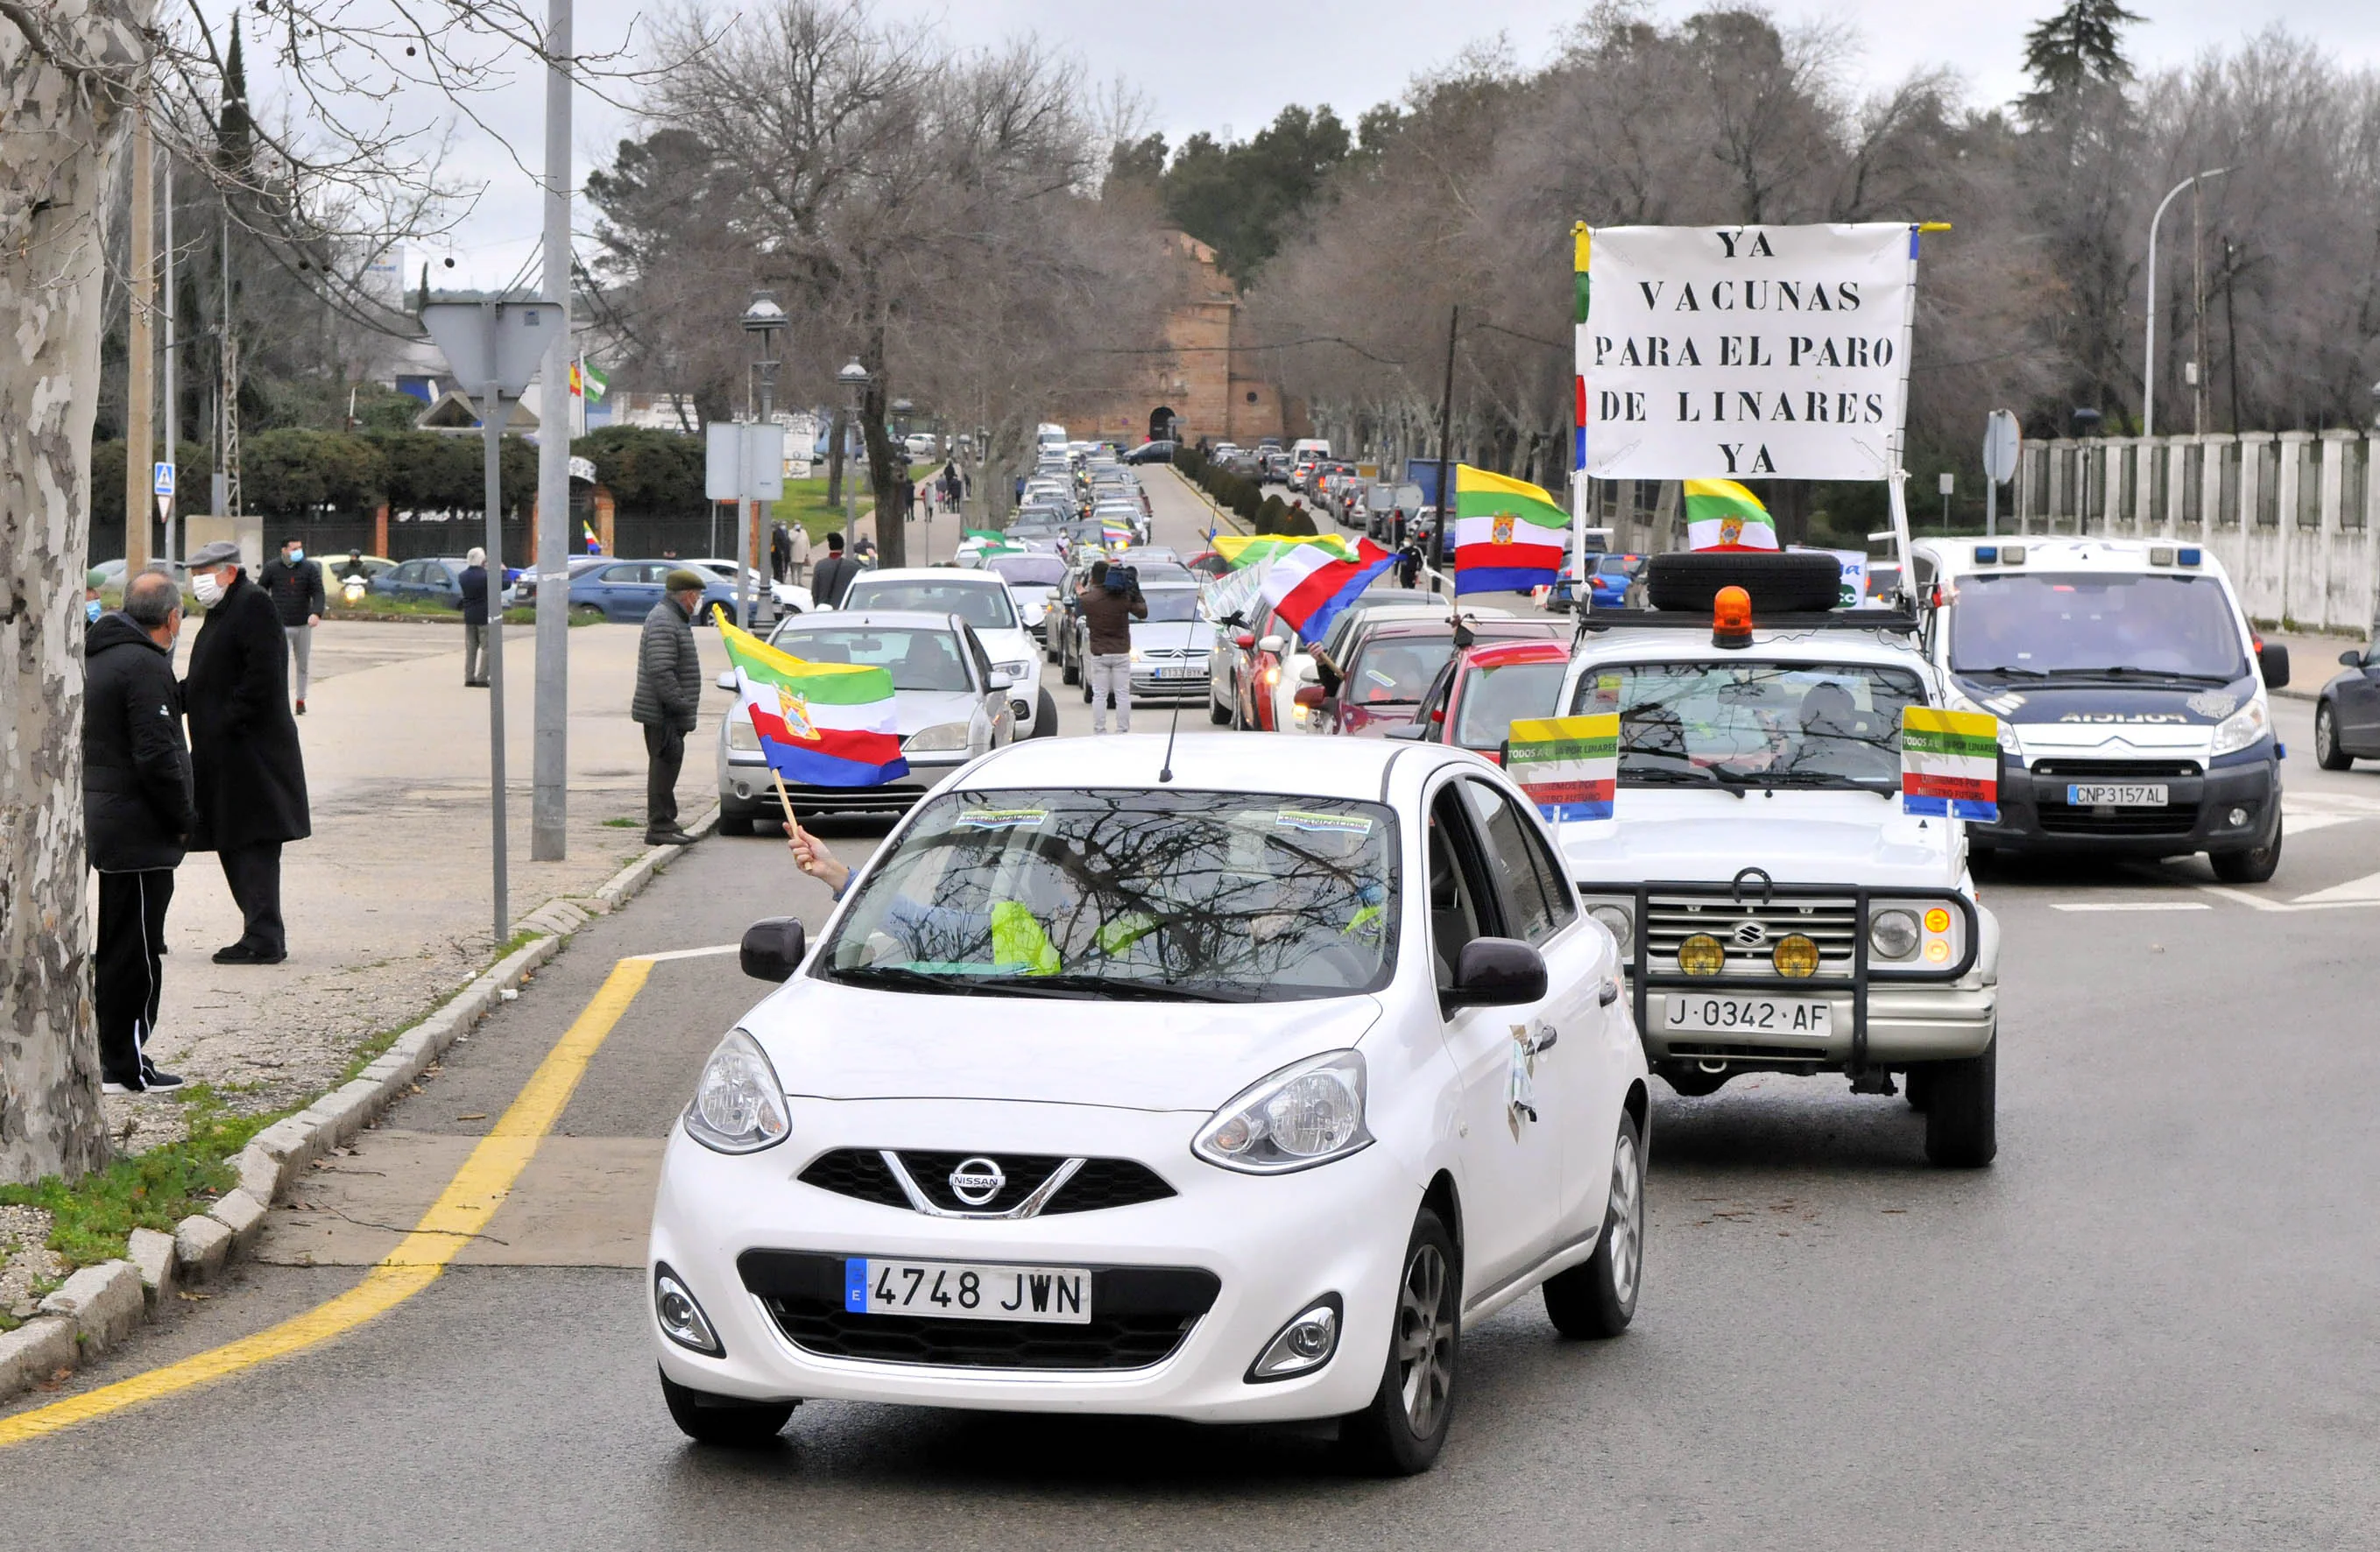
(25, 1260)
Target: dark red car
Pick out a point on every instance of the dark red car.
(1391, 666)
(1478, 694)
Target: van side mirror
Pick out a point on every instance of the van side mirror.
(2272, 662)
(1495, 973)
(772, 950)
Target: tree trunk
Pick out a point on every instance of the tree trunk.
(834, 459)
(60, 126)
(886, 464)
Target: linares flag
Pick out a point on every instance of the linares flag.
(1508, 533)
(1721, 514)
(1949, 763)
(1569, 766)
(821, 725)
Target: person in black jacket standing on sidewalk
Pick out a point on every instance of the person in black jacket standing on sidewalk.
(474, 583)
(296, 585)
(137, 810)
(667, 700)
(248, 770)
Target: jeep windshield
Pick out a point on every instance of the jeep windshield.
(2095, 625)
(1745, 724)
(1190, 896)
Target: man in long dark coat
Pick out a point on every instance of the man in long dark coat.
(249, 771)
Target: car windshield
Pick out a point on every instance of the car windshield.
(1171, 605)
(1030, 571)
(1198, 895)
(2079, 625)
(982, 605)
(1755, 723)
(1493, 697)
(921, 660)
(1394, 670)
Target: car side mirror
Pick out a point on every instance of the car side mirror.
(772, 949)
(1309, 696)
(1495, 973)
(727, 679)
(1270, 644)
(2350, 659)
(1244, 641)
(999, 680)
(2273, 660)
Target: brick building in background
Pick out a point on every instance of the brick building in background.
(1206, 381)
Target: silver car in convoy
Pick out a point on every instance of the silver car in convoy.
(1169, 648)
(952, 705)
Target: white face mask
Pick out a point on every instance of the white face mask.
(208, 589)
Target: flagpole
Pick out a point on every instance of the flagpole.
(1581, 594)
(793, 825)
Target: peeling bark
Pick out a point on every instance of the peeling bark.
(65, 65)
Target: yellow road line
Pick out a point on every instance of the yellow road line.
(478, 1189)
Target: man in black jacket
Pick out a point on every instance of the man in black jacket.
(247, 771)
(474, 583)
(667, 700)
(136, 799)
(295, 586)
(832, 577)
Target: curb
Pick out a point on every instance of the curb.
(1222, 513)
(98, 1307)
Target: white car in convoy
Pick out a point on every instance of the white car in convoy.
(983, 600)
(1136, 1080)
(1778, 910)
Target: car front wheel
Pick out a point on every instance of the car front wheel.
(1598, 1297)
(2257, 864)
(1401, 1433)
(1962, 1110)
(709, 1419)
(2326, 752)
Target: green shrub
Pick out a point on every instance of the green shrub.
(652, 473)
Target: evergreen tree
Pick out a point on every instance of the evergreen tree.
(235, 132)
(2068, 53)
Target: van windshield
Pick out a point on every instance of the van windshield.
(2035, 624)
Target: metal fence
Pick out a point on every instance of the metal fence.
(2290, 513)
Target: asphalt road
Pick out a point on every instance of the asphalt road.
(2153, 1324)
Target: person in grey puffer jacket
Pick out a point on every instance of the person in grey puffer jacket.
(669, 694)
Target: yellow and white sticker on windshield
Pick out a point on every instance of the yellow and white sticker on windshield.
(1001, 818)
(1323, 824)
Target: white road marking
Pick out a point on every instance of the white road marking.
(716, 949)
(2133, 906)
(2324, 900)
(2306, 824)
(2355, 891)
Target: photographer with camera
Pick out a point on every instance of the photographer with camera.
(1110, 605)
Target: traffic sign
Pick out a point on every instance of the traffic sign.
(2001, 444)
(164, 483)
(166, 508)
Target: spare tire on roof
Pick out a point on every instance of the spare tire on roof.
(1780, 582)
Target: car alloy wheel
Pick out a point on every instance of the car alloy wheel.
(2326, 752)
(1596, 1299)
(1424, 1340)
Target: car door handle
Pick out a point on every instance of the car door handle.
(1609, 991)
(1547, 1036)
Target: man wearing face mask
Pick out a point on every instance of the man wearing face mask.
(137, 814)
(294, 584)
(250, 777)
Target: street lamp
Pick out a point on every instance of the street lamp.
(853, 378)
(2148, 371)
(763, 318)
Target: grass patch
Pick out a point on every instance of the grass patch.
(91, 1217)
(376, 607)
(623, 824)
(805, 501)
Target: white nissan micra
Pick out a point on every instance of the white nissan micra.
(1224, 1088)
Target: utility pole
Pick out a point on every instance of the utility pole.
(549, 838)
(2232, 330)
(1445, 454)
(140, 367)
(2197, 313)
(173, 376)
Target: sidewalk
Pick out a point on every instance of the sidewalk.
(389, 903)
(2313, 660)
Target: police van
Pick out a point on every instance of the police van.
(2131, 690)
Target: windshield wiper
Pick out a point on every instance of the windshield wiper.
(901, 978)
(2008, 671)
(1080, 986)
(1678, 775)
(1883, 787)
(2121, 674)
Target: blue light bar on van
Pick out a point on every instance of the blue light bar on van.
(2189, 555)
(1988, 555)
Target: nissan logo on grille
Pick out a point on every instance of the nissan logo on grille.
(976, 1181)
(1749, 935)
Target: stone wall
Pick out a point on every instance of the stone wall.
(1204, 379)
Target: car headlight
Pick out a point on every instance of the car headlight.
(943, 737)
(738, 1105)
(2242, 728)
(742, 737)
(1618, 920)
(1017, 672)
(1893, 934)
(1308, 1113)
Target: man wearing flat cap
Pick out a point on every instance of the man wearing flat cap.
(248, 775)
(669, 694)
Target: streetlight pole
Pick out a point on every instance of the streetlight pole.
(854, 378)
(2148, 369)
(763, 318)
(549, 813)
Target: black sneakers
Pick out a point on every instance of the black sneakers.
(668, 838)
(151, 1081)
(246, 954)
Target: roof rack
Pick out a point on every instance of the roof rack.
(1904, 619)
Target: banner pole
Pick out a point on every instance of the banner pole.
(1581, 594)
(793, 825)
(1899, 475)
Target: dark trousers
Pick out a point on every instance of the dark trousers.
(664, 753)
(126, 975)
(254, 875)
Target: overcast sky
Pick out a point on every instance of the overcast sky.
(1244, 59)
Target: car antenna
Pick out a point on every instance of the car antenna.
(1165, 768)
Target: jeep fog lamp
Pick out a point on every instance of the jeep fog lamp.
(1796, 956)
(1893, 934)
(1702, 955)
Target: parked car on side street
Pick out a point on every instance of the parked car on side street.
(1150, 452)
(626, 591)
(2347, 713)
(1190, 1085)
